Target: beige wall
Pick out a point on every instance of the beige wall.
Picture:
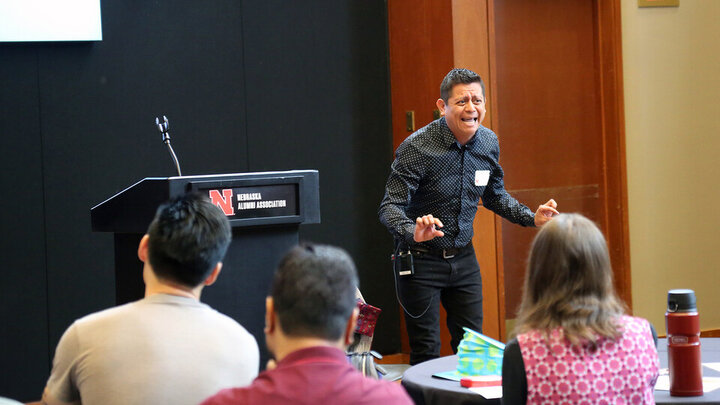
(671, 59)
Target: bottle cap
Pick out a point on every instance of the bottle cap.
(681, 300)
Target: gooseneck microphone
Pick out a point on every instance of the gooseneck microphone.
(163, 127)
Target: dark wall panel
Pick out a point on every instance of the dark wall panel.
(99, 101)
(247, 86)
(23, 294)
(318, 99)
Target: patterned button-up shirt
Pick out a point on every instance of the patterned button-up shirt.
(434, 174)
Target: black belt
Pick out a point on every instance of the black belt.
(444, 253)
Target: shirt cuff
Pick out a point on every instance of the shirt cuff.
(409, 233)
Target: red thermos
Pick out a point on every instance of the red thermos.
(683, 340)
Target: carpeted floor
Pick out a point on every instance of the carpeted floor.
(394, 371)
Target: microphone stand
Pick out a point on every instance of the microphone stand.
(163, 127)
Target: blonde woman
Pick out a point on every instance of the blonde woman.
(574, 344)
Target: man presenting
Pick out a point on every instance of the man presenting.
(439, 174)
(167, 348)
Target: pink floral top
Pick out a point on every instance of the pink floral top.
(617, 372)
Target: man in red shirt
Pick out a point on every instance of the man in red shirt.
(309, 321)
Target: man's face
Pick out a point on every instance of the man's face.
(464, 110)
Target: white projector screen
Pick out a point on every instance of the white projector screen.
(50, 20)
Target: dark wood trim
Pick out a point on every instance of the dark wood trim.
(421, 53)
(494, 119)
(500, 278)
(710, 333)
(397, 358)
(609, 42)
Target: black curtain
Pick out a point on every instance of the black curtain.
(247, 86)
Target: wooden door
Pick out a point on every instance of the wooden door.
(554, 90)
(559, 119)
(424, 36)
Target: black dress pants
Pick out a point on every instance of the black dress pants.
(456, 283)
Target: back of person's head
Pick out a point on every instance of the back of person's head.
(569, 282)
(187, 239)
(313, 291)
(459, 76)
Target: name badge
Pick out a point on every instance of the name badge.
(482, 177)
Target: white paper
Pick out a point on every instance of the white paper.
(488, 392)
(709, 383)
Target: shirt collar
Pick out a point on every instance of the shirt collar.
(161, 298)
(448, 139)
(316, 354)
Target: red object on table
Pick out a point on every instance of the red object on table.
(481, 381)
(683, 337)
(367, 318)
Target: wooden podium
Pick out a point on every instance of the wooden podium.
(265, 211)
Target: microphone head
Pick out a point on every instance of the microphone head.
(163, 128)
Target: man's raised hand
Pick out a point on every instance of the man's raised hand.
(426, 228)
(545, 213)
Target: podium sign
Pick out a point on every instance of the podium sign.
(256, 201)
(248, 199)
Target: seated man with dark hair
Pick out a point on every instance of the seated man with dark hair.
(310, 319)
(167, 348)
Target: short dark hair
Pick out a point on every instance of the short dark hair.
(187, 239)
(314, 291)
(457, 76)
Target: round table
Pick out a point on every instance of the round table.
(425, 389)
(428, 390)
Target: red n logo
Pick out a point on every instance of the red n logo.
(223, 201)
